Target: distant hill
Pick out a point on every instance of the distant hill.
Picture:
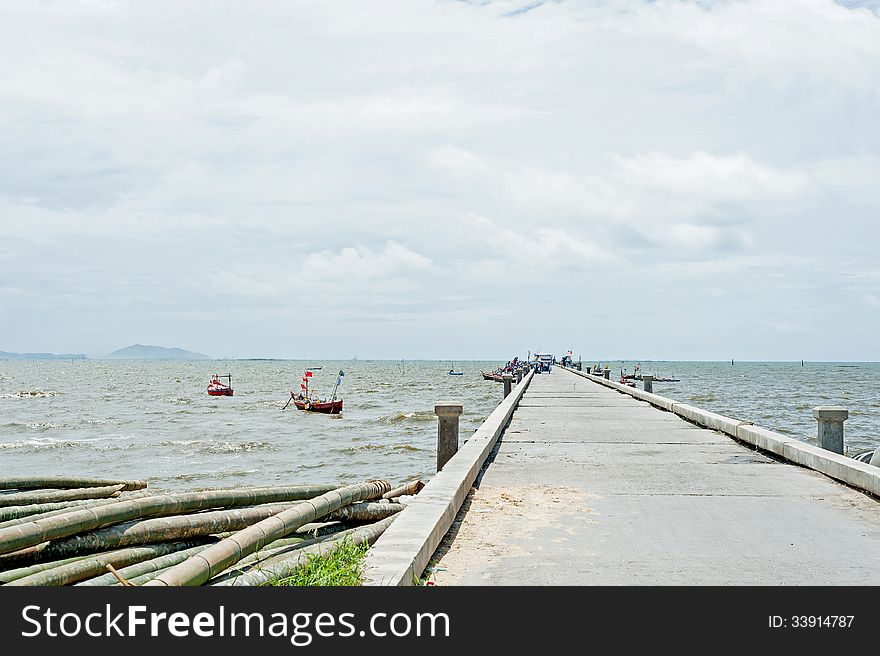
(148, 352)
(41, 356)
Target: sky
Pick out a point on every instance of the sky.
(440, 179)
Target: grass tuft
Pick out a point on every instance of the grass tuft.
(343, 566)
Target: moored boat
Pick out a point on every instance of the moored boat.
(216, 388)
(304, 401)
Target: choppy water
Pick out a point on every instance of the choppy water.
(777, 395)
(154, 420)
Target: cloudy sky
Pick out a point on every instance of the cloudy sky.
(442, 179)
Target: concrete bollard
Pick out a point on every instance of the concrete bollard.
(519, 376)
(648, 381)
(608, 374)
(875, 459)
(447, 430)
(579, 366)
(508, 380)
(830, 433)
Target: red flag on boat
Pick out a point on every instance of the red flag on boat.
(309, 374)
(301, 385)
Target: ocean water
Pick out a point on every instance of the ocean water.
(154, 420)
(779, 396)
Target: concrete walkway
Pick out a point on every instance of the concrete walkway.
(589, 486)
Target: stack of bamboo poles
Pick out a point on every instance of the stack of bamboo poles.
(59, 530)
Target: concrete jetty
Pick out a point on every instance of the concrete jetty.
(590, 486)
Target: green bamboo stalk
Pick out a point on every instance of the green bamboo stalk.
(152, 565)
(13, 574)
(218, 557)
(64, 482)
(147, 531)
(19, 512)
(51, 496)
(284, 565)
(88, 567)
(15, 538)
(41, 511)
(366, 512)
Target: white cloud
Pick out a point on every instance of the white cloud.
(357, 263)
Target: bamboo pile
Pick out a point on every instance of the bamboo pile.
(57, 530)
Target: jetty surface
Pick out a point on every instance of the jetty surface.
(589, 486)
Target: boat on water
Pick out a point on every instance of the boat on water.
(216, 388)
(626, 381)
(453, 372)
(488, 376)
(311, 405)
(305, 401)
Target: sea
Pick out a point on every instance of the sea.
(154, 420)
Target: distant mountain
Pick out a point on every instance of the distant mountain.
(148, 352)
(41, 356)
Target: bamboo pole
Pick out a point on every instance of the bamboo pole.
(218, 557)
(41, 511)
(51, 496)
(64, 482)
(13, 574)
(132, 572)
(26, 535)
(282, 566)
(19, 512)
(97, 564)
(366, 512)
(147, 531)
(413, 487)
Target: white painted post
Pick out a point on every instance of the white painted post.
(447, 430)
(830, 432)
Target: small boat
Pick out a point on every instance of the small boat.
(627, 382)
(311, 405)
(216, 388)
(456, 373)
(489, 376)
(303, 401)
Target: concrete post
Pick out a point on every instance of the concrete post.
(648, 380)
(608, 374)
(447, 430)
(831, 418)
(518, 376)
(508, 379)
(579, 366)
(875, 459)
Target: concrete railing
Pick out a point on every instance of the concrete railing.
(403, 552)
(848, 470)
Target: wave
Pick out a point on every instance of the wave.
(31, 394)
(214, 446)
(424, 415)
(378, 447)
(52, 444)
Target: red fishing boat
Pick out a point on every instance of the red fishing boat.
(216, 388)
(327, 407)
(303, 401)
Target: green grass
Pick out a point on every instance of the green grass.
(343, 566)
